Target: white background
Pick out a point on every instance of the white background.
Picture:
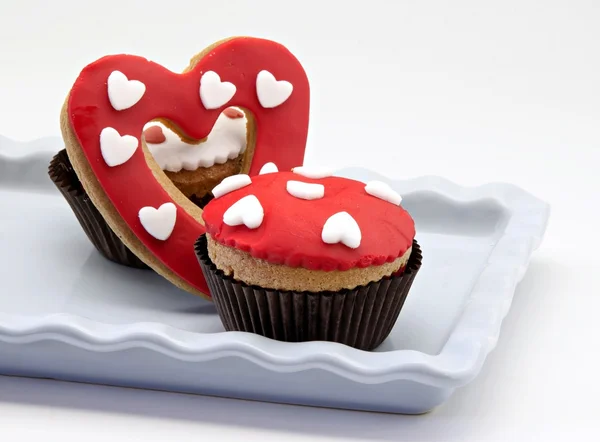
(475, 91)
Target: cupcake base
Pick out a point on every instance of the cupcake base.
(97, 230)
(361, 318)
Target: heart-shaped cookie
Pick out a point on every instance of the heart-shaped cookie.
(117, 95)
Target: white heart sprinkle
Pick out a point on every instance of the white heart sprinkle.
(383, 191)
(116, 149)
(122, 92)
(230, 184)
(271, 93)
(342, 228)
(268, 168)
(313, 172)
(159, 222)
(215, 93)
(247, 211)
(305, 191)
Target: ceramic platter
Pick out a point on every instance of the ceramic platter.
(68, 313)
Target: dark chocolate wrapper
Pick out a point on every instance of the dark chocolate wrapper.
(361, 318)
(100, 234)
(202, 201)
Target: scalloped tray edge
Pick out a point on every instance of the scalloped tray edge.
(470, 339)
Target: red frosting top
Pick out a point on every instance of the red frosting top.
(293, 230)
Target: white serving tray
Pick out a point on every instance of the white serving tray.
(67, 313)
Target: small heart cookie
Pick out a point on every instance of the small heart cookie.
(342, 228)
(114, 98)
(122, 92)
(116, 148)
(247, 211)
(272, 93)
(159, 222)
(214, 92)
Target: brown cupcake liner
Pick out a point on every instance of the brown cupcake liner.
(97, 230)
(361, 318)
(202, 201)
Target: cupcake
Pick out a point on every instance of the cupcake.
(193, 168)
(95, 227)
(304, 255)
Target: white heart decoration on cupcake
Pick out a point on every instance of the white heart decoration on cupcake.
(248, 211)
(313, 172)
(342, 228)
(231, 183)
(383, 191)
(272, 93)
(268, 168)
(122, 92)
(116, 148)
(159, 222)
(305, 191)
(215, 93)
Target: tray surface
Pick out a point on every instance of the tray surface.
(61, 299)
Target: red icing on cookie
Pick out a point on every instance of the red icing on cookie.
(233, 113)
(290, 232)
(154, 135)
(280, 136)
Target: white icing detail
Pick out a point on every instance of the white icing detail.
(313, 172)
(215, 93)
(226, 141)
(342, 228)
(383, 191)
(247, 211)
(116, 149)
(305, 191)
(159, 222)
(268, 168)
(272, 93)
(122, 92)
(230, 184)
